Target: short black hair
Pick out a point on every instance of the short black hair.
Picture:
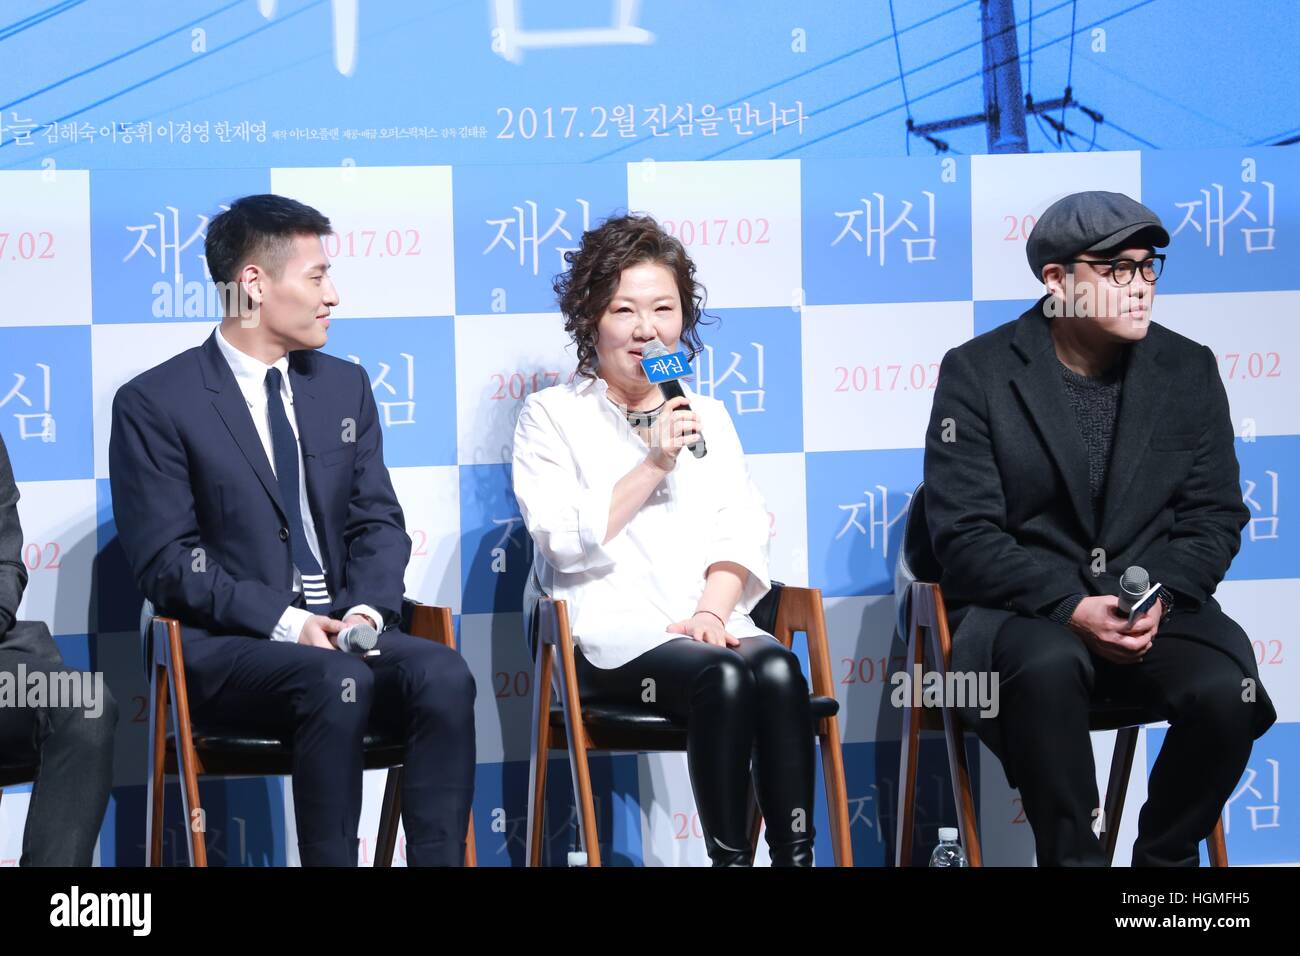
(260, 228)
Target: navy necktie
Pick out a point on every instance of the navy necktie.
(284, 447)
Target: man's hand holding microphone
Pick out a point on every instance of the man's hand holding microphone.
(1106, 624)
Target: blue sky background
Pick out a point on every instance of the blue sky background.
(1175, 74)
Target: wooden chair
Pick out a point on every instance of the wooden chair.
(923, 624)
(630, 728)
(241, 755)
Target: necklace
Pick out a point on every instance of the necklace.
(645, 419)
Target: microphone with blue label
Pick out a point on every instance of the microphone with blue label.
(664, 368)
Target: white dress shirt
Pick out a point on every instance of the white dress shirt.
(572, 445)
(250, 375)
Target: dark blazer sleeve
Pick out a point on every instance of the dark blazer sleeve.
(376, 544)
(13, 573)
(1208, 510)
(966, 509)
(153, 506)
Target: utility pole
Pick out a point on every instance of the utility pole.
(1004, 103)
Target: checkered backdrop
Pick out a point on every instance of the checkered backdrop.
(839, 276)
(838, 286)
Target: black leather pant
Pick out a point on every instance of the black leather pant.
(742, 704)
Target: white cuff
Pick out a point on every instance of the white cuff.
(289, 627)
(376, 619)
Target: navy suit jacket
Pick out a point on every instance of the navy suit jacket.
(198, 509)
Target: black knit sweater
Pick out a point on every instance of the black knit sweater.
(1095, 400)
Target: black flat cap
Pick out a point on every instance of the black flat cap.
(1088, 222)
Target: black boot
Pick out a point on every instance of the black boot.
(789, 843)
(798, 853)
(722, 855)
(717, 753)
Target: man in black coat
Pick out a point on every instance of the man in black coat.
(1062, 449)
(51, 716)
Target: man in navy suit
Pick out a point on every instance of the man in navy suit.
(253, 504)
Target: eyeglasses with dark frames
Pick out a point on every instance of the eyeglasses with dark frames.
(1122, 271)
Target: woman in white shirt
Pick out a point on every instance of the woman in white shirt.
(661, 556)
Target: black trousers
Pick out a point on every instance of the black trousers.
(742, 704)
(74, 749)
(326, 701)
(1047, 677)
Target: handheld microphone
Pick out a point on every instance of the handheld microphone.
(1132, 585)
(664, 368)
(358, 639)
(1137, 593)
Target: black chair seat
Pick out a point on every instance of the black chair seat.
(618, 726)
(13, 774)
(1110, 715)
(252, 755)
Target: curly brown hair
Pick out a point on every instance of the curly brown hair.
(586, 289)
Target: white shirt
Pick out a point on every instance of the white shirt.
(250, 375)
(572, 445)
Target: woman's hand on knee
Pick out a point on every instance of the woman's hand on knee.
(706, 628)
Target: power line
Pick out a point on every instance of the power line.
(934, 62)
(1145, 142)
(812, 69)
(946, 86)
(1277, 139)
(257, 78)
(121, 56)
(26, 23)
(902, 80)
(1096, 63)
(870, 89)
(180, 66)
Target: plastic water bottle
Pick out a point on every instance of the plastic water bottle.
(949, 851)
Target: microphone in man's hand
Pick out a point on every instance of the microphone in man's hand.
(357, 638)
(1137, 594)
(1134, 583)
(664, 368)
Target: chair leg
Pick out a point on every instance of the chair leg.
(471, 853)
(540, 752)
(837, 793)
(581, 772)
(156, 787)
(801, 609)
(390, 815)
(909, 752)
(195, 821)
(961, 787)
(1218, 846)
(1121, 766)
